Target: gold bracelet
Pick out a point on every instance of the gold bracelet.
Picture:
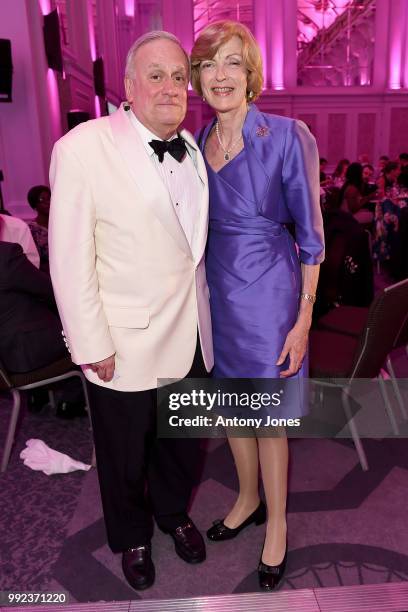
(308, 296)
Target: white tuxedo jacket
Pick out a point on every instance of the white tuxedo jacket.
(123, 274)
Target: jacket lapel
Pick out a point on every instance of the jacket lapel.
(202, 221)
(195, 155)
(155, 194)
(259, 177)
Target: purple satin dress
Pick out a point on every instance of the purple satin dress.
(254, 277)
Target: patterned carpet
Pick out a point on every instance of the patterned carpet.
(346, 527)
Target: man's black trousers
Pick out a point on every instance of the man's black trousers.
(132, 460)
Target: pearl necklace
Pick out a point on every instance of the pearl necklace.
(227, 152)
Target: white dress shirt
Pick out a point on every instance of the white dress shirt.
(181, 179)
(13, 229)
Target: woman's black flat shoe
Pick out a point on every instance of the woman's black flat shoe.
(270, 575)
(220, 532)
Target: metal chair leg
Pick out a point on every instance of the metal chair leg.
(353, 429)
(11, 430)
(388, 406)
(88, 409)
(51, 399)
(86, 396)
(87, 406)
(396, 388)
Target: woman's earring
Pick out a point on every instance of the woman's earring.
(126, 106)
(250, 95)
(204, 100)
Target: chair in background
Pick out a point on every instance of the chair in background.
(43, 377)
(346, 275)
(401, 342)
(332, 198)
(359, 347)
(351, 320)
(399, 258)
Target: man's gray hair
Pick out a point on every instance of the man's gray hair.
(146, 38)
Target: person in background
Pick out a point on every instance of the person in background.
(351, 195)
(368, 187)
(323, 164)
(263, 172)
(382, 162)
(403, 176)
(15, 230)
(324, 179)
(39, 198)
(363, 159)
(346, 275)
(30, 329)
(368, 172)
(339, 174)
(388, 179)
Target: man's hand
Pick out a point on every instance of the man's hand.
(104, 368)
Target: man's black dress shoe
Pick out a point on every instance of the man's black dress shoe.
(270, 575)
(189, 543)
(138, 567)
(220, 532)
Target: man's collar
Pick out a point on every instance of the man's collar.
(146, 135)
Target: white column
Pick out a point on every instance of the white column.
(396, 43)
(80, 31)
(405, 51)
(260, 29)
(381, 44)
(268, 30)
(114, 41)
(276, 50)
(290, 43)
(78, 55)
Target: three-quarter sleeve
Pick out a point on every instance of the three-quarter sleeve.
(301, 188)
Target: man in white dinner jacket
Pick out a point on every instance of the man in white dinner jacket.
(128, 228)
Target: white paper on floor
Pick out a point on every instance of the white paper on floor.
(38, 456)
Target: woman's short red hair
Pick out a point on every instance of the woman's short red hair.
(210, 40)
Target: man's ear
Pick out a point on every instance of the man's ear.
(129, 89)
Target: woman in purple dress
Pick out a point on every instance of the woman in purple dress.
(263, 173)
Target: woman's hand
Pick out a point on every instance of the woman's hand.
(296, 341)
(295, 345)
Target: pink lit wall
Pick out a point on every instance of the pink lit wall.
(179, 21)
(27, 129)
(345, 121)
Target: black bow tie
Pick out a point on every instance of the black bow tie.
(176, 147)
